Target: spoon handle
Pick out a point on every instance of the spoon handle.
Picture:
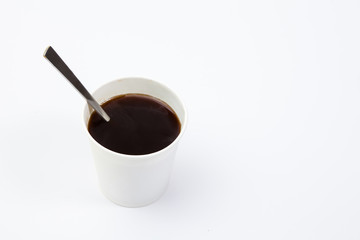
(60, 65)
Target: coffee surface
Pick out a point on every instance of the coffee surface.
(139, 124)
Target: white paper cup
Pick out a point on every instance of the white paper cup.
(134, 180)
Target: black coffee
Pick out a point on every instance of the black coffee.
(139, 124)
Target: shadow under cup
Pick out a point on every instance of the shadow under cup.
(134, 180)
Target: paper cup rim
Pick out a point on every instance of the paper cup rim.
(148, 155)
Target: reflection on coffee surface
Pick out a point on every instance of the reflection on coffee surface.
(139, 124)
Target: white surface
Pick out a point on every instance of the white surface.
(273, 93)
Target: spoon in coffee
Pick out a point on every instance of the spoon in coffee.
(58, 63)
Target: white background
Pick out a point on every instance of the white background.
(273, 94)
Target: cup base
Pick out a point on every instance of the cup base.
(133, 205)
